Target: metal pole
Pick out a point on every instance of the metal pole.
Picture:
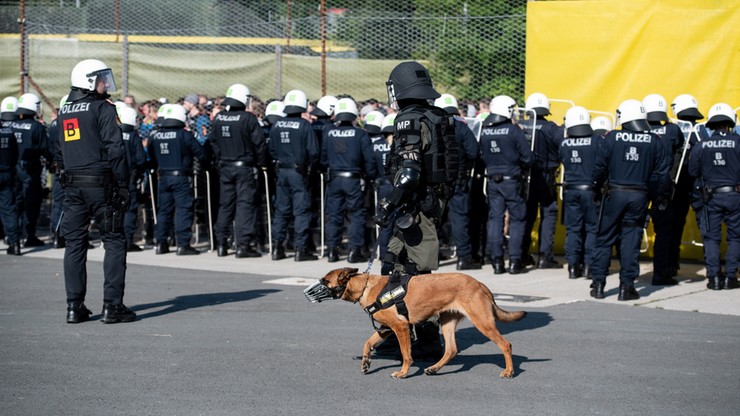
(287, 26)
(279, 70)
(322, 12)
(124, 75)
(117, 16)
(22, 30)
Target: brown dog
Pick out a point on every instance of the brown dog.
(447, 297)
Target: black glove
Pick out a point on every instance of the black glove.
(384, 212)
(598, 194)
(661, 202)
(120, 199)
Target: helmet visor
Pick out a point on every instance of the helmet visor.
(104, 77)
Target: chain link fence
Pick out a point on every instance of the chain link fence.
(168, 48)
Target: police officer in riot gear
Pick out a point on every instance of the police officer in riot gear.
(601, 125)
(136, 161)
(459, 205)
(294, 146)
(577, 153)
(625, 162)
(663, 220)
(542, 196)
(383, 186)
(347, 152)
(32, 148)
(57, 192)
(505, 151)
(92, 158)
(174, 149)
(424, 167)
(8, 163)
(240, 150)
(714, 162)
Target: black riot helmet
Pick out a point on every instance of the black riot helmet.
(410, 81)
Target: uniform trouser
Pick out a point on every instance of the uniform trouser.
(724, 207)
(345, 195)
(459, 209)
(502, 196)
(237, 204)
(293, 198)
(175, 199)
(681, 203)
(580, 226)
(129, 220)
(541, 199)
(416, 249)
(8, 213)
(623, 217)
(28, 201)
(81, 204)
(57, 204)
(662, 226)
(385, 233)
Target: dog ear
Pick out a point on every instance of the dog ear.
(345, 274)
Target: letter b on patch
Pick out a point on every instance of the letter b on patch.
(71, 130)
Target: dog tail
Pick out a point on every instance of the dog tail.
(505, 316)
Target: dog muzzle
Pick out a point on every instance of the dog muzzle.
(318, 292)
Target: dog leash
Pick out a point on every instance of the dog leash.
(372, 257)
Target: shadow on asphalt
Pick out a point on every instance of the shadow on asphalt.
(182, 303)
(465, 363)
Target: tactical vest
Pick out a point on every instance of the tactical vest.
(441, 160)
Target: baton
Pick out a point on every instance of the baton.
(321, 196)
(151, 194)
(208, 209)
(269, 217)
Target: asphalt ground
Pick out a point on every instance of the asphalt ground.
(226, 336)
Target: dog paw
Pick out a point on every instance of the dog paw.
(506, 374)
(431, 370)
(365, 366)
(398, 374)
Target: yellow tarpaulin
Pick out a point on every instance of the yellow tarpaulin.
(599, 53)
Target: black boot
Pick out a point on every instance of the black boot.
(222, 249)
(303, 255)
(467, 263)
(333, 255)
(77, 312)
(278, 251)
(133, 248)
(163, 248)
(547, 262)
(574, 271)
(597, 289)
(428, 346)
(515, 266)
(14, 249)
(628, 293)
(498, 265)
(58, 241)
(246, 251)
(355, 256)
(586, 271)
(187, 250)
(116, 313)
(33, 241)
(714, 283)
(730, 283)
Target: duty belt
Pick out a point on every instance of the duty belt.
(628, 188)
(175, 173)
(726, 189)
(352, 175)
(282, 165)
(505, 177)
(584, 187)
(237, 163)
(87, 181)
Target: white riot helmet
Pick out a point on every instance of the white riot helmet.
(88, 73)
(274, 111)
(8, 108)
(685, 107)
(578, 122)
(325, 107)
(656, 107)
(63, 101)
(127, 115)
(29, 104)
(346, 110)
(448, 103)
(502, 108)
(237, 96)
(295, 102)
(602, 125)
(174, 115)
(721, 113)
(631, 116)
(388, 124)
(539, 103)
(374, 122)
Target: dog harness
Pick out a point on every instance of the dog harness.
(393, 293)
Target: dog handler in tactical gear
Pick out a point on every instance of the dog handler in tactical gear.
(423, 165)
(92, 158)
